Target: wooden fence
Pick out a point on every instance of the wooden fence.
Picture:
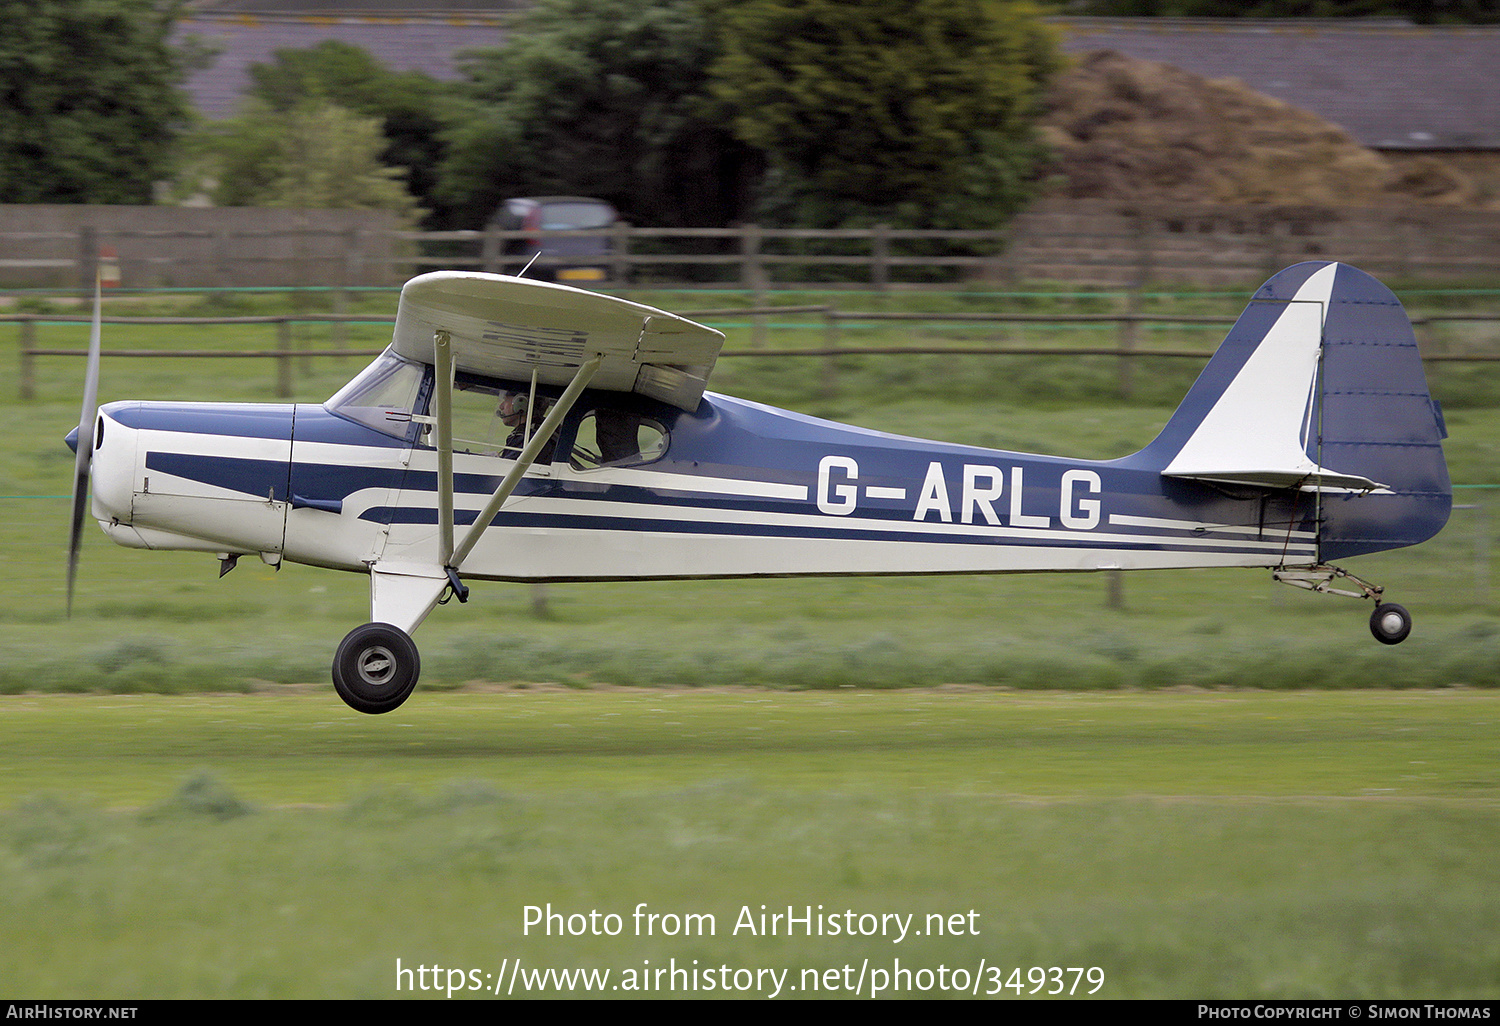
(1091, 243)
(286, 353)
(1125, 245)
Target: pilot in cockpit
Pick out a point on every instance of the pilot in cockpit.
(512, 413)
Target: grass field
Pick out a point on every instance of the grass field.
(1218, 788)
(1186, 844)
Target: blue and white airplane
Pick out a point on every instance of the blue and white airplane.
(518, 430)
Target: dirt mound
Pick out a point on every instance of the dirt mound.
(1126, 129)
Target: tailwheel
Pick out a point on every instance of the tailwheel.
(376, 667)
(1390, 623)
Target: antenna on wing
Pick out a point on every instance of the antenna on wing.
(529, 263)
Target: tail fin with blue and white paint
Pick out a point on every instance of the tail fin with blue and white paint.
(1319, 388)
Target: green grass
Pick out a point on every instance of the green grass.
(1188, 844)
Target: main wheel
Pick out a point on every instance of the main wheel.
(376, 667)
(1390, 623)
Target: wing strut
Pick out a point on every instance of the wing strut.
(528, 456)
(442, 403)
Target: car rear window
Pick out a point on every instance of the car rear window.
(563, 216)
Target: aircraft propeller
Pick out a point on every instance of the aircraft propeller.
(85, 446)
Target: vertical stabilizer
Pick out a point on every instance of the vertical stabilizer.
(1319, 387)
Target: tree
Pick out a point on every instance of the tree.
(90, 104)
(914, 112)
(605, 98)
(405, 103)
(314, 156)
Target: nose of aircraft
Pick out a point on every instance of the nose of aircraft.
(111, 467)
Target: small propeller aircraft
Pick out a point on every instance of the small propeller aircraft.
(518, 430)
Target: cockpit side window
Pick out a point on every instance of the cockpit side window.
(611, 437)
(382, 396)
(477, 426)
(493, 420)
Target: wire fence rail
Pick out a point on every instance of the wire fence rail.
(1053, 240)
(286, 352)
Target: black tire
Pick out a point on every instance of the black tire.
(376, 667)
(1390, 623)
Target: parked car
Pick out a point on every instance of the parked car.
(564, 258)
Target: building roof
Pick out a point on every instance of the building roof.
(1390, 85)
(402, 40)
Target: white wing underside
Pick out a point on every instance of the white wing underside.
(508, 327)
(1257, 432)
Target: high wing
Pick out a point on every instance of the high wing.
(506, 327)
(517, 328)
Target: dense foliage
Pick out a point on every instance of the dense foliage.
(314, 156)
(605, 98)
(914, 112)
(89, 100)
(793, 111)
(405, 104)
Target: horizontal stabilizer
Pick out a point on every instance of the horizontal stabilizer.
(1315, 480)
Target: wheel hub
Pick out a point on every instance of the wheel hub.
(376, 666)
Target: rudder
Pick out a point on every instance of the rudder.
(1377, 414)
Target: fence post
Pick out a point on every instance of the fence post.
(880, 257)
(1481, 554)
(1273, 245)
(489, 250)
(621, 257)
(1428, 341)
(1141, 222)
(88, 260)
(284, 357)
(1127, 341)
(223, 273)
(341, 292)
(753, 277)
(28, 361)
(830, 361)
(1114, 592)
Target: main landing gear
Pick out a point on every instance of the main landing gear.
(1390, 623)
(376, 667)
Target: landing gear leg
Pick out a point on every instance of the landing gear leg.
(1389, 623)
(376, 667)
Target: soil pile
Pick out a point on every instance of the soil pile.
(1126, 129)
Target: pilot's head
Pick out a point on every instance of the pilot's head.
(513, 405)
(513, 408)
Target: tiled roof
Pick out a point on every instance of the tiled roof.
(1390, 85)
(401, 42)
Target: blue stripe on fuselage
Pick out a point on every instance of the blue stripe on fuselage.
(1144, 542)
(261, 479)
(245, 420)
